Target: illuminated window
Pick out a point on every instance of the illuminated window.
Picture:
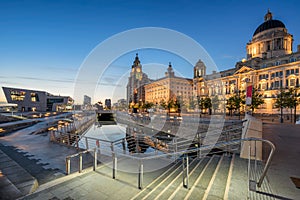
(34, 97)
(292, 82)
(17, 95)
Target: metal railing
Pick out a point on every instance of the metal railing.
(68, 160)
(268, 161)
(184, 154)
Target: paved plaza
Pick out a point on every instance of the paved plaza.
(39, 152)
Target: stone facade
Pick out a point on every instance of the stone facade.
(169, 87)
(267, 69)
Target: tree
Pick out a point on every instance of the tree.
(201, 104)
(291, 98)
(208, 104)
(192, 103)
(148, 105)
(281, 102)
(163, 104)
(230, 105)
(215, 103)
(257, 100)
(235, 102)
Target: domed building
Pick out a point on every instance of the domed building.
(271, 66)
(270, 39)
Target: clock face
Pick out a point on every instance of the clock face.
(138, 76)
(138, 70)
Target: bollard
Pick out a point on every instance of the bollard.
(140, 178)
(86, 143)
(123, 145)
(114, 165)
(187, 172)
(68, 165)
(183, 174)
(80, 162)
(112, 146)
(95, 159)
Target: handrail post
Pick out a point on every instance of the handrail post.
(95, 159)
(187, 172)
(68, 165)
(140, 176)
(267, 165)
(249, 165)
(80, 162)
(86, 143)
(123, 145)
(114, 165)
(112, 146)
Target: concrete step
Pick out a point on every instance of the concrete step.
(217, 189)
(197, 191)
(265, 192)
(154, 190)
(238, 186)
(16, 176)
(150, 178)
(167, 189)
(180, 192)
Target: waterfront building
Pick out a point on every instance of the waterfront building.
(107, 104)
(270, 66)
(170, 87)
(87, 100)
(135, 86)
(34, 100)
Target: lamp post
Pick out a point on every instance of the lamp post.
(295, 99)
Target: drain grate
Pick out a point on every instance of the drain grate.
(296, 181)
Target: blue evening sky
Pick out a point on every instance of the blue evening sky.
(44, 43)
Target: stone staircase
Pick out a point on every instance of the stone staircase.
(14, 180)
(212, 177)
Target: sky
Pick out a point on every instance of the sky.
(44, 44)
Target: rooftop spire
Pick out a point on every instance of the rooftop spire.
(136, 61)
(268, 16)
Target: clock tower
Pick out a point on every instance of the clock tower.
(135, 86)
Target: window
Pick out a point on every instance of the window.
(287, 72)
(297, 71)
(292, 59)
(292, 71)
(280, 73)
(292, 82)
(34, 97)
(17, 95)
(277, 63)
(263, 86)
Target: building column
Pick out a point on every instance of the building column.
(284, 78)
(269, 79)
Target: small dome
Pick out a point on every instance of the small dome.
(269, 25)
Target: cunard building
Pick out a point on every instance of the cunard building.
(271, 65)
(169, 87)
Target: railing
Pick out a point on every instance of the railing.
(184, 155)
(68, 160)
(267, 164)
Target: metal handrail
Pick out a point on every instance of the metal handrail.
(268, 162)
(183, 152)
